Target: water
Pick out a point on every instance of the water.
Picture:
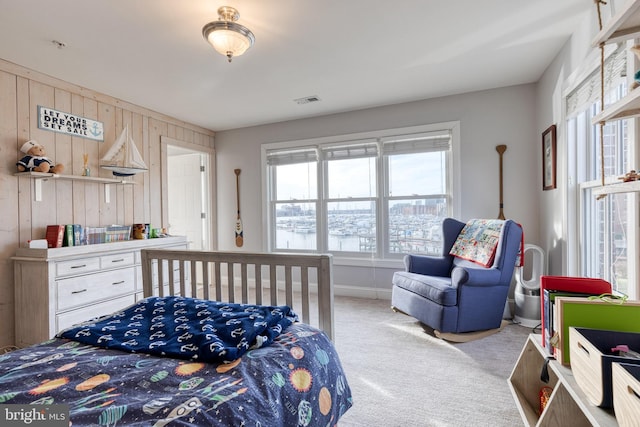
(286, 239)
(355, 231)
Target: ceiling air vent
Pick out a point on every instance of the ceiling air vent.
(307, 99)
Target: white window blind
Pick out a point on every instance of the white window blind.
(419, 142)
(290, 157)
(351, 150)
(588, 92)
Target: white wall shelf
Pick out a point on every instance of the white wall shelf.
(627, 107)
(624, 25)
(618, 187)
(39, 177)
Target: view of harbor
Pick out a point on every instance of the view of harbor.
(355, 231)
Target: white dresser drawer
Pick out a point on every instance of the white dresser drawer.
(58, 287)
(83, 314)
(138, 278)
(77, 266)
(82, 290)
(117, 260)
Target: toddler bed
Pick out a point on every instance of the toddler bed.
(178, 357)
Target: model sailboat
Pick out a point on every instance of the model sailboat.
(123, 158)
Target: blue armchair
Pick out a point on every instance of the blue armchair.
(454, 295)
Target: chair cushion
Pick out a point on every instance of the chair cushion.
(435, 288)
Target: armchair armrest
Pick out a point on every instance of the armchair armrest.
(427, 265)
(475, 276)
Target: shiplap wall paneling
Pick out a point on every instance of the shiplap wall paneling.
(91, 192)
(73, 201)
(108, 208)
(131, 216)
(63, 154)
(77, 164)
(146, 193)
(9, 199)
(156, 130)
(121, 119)
(43, 212)
(24, 185)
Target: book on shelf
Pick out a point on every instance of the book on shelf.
(74, 235)
(68, 235)
(549, 297)
(78, 235)
(584, 285)
(55, 236)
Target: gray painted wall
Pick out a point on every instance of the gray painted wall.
(575, 57)
(487, 118)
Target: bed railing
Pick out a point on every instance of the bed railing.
(248, 278)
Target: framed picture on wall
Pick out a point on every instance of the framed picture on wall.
(549, 158)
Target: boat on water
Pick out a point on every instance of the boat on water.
(123, 158)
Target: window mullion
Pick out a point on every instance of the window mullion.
(323, 241)
(606, 232)
(383, 204)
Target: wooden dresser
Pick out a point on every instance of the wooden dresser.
(56, 288)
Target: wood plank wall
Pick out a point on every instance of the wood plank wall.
(70, 201)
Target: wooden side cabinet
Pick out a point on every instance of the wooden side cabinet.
(567, 405)
(56, 288)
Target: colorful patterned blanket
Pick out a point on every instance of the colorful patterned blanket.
(296, 381)
(478, 240)
(186, 328)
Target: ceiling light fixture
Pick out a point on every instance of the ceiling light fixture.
(226, 36)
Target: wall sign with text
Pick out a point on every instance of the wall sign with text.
(70, 124)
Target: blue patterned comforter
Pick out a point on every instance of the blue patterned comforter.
(297, 380)
(186, 328)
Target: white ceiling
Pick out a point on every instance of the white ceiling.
(352, 54)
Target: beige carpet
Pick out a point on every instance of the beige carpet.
(401, 375)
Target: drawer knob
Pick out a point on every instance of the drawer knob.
(117, 260)
(79, 292)
(118, 283)
(79, 266)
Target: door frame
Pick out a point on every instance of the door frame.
(165, 142)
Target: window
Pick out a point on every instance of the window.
(376, 195)
(295, 198)
(417, 197)
(351, 171)
(604, 232)
(606, 224)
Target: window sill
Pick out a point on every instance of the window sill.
(369, 262)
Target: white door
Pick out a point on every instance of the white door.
(187, 207)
